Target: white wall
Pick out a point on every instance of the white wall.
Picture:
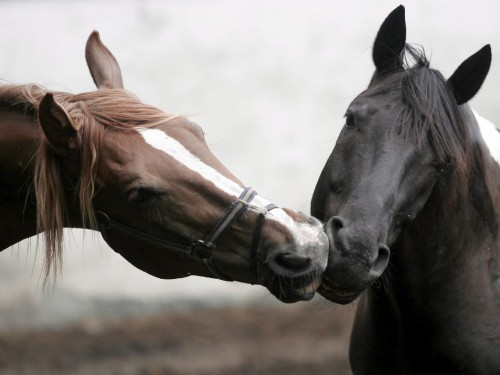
(268, 81)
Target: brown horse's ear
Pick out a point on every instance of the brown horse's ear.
(102, 64)
(59, 128)
(390, 41)
(470, 75)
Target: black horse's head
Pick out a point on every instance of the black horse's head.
(400, 135)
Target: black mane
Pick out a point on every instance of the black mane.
(428, 109)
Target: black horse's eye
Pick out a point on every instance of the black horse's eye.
(143, 196)
(349, 120)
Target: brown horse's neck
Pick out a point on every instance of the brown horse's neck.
(19, 139)
(19, 136)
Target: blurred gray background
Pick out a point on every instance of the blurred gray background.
(268, 81)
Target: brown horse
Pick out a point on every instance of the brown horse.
(104, 160)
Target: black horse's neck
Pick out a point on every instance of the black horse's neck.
(458, 223)
(445, 269)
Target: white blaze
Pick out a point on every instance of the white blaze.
(304, 233)
(490, 135)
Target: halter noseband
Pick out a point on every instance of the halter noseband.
(200, 250)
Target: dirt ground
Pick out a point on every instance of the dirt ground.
(236, 340)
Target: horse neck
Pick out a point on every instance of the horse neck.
(19, 139)
(453, 240)
(441, 291)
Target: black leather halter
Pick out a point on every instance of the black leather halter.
(199, 250)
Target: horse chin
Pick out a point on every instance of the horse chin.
(341, 299)
(334, 293)
(291, 295)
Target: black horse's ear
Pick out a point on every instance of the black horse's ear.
(470, 75)
(390, 41)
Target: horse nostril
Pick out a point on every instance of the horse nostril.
(381, 262)
(293, 261)
(337, 231)
(337, 223)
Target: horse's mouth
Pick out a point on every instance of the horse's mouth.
(334, 293)
(310, 288)
(303, 293)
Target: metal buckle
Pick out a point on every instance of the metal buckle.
(202, 249)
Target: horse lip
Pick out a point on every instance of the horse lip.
(333, 292)
(332, 297)
(305, 296)
(304, 293)
(293, 296)
(310, 288)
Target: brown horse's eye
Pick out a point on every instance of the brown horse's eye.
(143, 196)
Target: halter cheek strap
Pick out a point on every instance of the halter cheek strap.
(257, 234)
(199, 250)
(204, 249)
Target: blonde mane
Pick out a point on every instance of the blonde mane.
(93, 112)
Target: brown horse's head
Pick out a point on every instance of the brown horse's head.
(158, 190)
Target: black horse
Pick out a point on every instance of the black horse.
(412, 178)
